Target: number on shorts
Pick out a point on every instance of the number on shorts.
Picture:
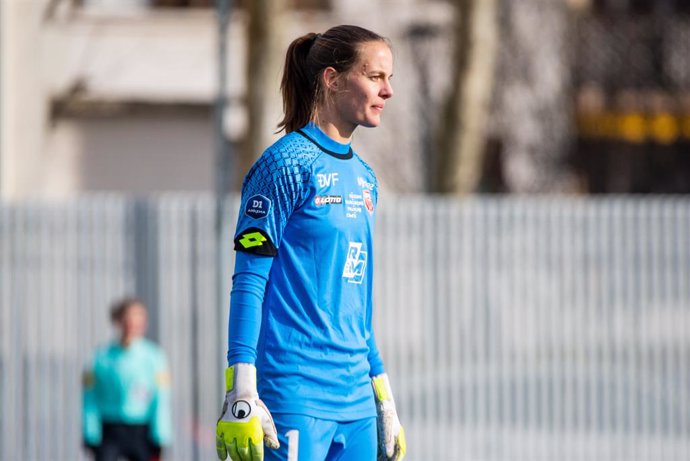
(293, 444)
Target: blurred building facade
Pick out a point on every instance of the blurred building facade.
(590, 96)
(115, 95)
(632, 93)
(107, 95)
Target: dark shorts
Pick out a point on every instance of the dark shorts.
(125, 441)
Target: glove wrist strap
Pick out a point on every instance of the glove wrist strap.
(240, 378)
(382, 388)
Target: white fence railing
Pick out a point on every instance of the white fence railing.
(513, 329)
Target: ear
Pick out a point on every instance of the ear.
(331, 78)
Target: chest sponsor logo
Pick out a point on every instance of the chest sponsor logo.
(368, 202)
(355, 264)
(257, 207)
(326, 179)
(320, 200)
(353, 203)
(364, 184)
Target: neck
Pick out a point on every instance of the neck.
(126, 340)
(334, 129)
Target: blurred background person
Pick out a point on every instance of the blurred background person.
(126, 396)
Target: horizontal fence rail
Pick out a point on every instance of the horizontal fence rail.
(512, 329)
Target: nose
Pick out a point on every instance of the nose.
(387, 90)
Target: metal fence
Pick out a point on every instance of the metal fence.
(513, 329)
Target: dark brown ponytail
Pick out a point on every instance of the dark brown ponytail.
(306, 57)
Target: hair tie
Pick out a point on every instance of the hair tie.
(317, 36)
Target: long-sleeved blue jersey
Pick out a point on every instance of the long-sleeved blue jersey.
(301, 304)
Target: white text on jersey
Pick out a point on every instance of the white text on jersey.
(327, 179)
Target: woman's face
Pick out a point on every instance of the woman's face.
(362, 92)
(134, 321)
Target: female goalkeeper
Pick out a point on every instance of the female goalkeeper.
(300, 328)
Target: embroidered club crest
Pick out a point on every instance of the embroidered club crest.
(368, 202)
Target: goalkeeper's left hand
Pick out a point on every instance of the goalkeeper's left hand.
(391, 446)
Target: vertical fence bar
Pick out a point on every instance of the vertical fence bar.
(566, 228)
(465, 304)
(454, 326)
(645, 418)
(606, 310)
(8, 323)
(682, 224)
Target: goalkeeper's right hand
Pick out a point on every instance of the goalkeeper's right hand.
(391, 435)
(245, 423)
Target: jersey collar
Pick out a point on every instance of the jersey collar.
(325, 143)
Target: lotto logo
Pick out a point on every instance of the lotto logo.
(328, 200)
(355, 264)
(253, 239)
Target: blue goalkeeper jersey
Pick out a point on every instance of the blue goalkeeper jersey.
(308, 205)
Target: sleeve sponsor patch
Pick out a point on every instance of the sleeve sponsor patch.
(255, 240)
(163, 379)
(257, 206)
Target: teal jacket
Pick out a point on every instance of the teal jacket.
(129, 385)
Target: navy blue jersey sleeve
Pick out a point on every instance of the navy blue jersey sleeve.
(273, 188)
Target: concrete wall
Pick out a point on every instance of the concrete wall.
(136, 153)
(23, 95)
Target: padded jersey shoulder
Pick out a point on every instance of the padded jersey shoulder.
(286, 164)
(368, 168)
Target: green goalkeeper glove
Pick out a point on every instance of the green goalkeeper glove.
(391, 446)
(245, 423)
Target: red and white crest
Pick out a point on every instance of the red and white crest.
(368, 202)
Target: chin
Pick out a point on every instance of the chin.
(371, 123)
